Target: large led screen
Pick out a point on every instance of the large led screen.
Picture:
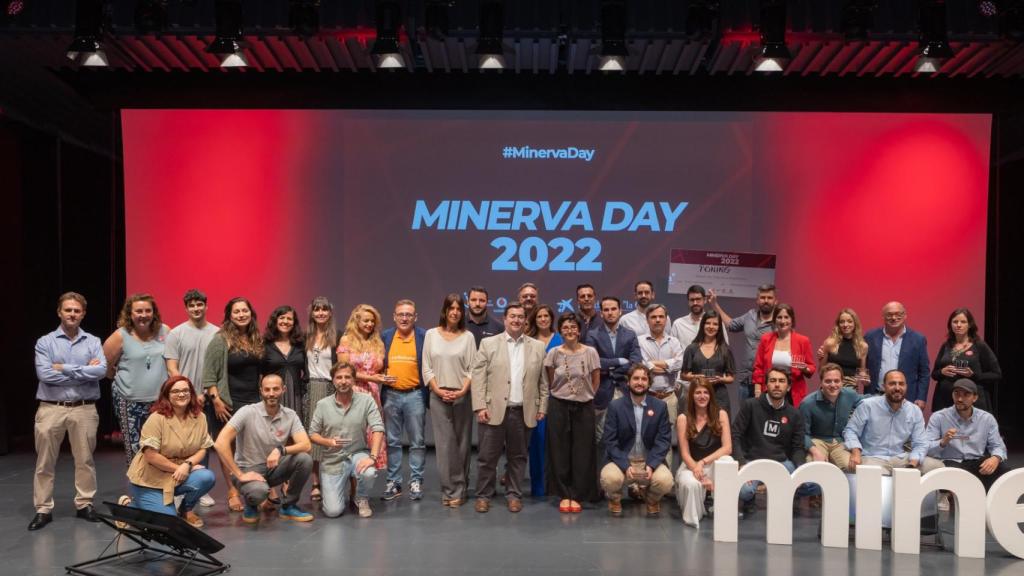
(373, 206)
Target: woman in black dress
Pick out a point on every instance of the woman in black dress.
(847, 348)
(965, 355)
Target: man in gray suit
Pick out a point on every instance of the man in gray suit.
(510, 395)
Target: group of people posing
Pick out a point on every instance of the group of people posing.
(590, 400)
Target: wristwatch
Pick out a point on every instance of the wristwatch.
(189, 462)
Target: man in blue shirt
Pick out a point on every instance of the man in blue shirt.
(966, 437)
(69, 365)
(881, 426)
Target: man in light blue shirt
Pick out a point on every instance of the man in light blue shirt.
(881, 426)
(69, 365)
(966, 437)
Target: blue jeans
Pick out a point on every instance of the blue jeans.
(334, 487)
(198, 483)
(405, 411)
(749, 489)
(745, 388)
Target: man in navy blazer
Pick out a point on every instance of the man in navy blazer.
(405, 400)
(897, 347)
(637, 457)
(618, 348)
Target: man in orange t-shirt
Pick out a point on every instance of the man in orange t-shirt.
(405, 400)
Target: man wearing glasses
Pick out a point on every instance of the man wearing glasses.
(405, 400)
(896, 347)
(510, 395)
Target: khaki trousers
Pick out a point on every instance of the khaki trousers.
(80, 424)
(835, 452)
(612, 479)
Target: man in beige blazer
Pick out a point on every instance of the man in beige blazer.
(510, 395)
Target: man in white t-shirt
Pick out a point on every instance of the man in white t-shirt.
(184, 351)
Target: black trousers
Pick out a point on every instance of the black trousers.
(972, 466)
(571, 454)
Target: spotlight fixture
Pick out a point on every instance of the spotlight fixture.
(935, 48)
(86, 48)
(613, 36)
(858, 18)
(151, 16)
(304, 16)
(386, 50)
(490, 47)
(774, 54)
(988, 8)
(436, 18)
(702, 17)
(227, 45)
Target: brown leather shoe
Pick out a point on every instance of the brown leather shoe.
(515, 505)
(653, 508)
(193, 519)
(456, 502)
(615, 507)
(482, 505)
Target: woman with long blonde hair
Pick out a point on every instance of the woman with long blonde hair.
(846, 347)
(362, 347)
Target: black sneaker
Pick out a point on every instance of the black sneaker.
(391, 491)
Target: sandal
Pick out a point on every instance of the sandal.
(564, 506)
(315, 493)
(235, 501)
(575, 507)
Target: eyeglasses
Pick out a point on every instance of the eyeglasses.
(896, 315)
(181, 393)
(404, 316)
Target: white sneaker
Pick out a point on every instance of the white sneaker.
(206, 500)
(364, 507)
(944, 503)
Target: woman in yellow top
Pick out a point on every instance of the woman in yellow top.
(173, 441)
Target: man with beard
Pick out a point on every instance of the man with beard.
(966, 437)
(637, 439)
(881, 426)
(618, 349)
(586, 312)
(479, 321)
(769, 428)
(528, 296)
(636, 320)
(263, 456)
(339, 425)
(685, 328)
(755, 323)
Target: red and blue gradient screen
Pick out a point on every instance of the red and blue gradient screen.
(372, 206)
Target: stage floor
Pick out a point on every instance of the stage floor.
(422, 538)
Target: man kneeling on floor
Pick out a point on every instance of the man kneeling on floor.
(339, 425)
(263, 455)
(637, 437)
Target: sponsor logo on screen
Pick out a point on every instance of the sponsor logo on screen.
(528, 153)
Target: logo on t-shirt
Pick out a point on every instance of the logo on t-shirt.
(772, 428)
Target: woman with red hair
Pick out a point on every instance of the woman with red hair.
(172, 444)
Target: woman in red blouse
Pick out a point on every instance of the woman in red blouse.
(784, 348)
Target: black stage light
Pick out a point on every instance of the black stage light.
(386, 49)
(613, 36)
(87, 47)
(702, 17)
(490, 47)
(304, 16)
(227, 44)
(935, 48)
(774, 54)
(151, 16)
(858, 18)
(436, 18)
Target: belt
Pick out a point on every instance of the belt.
(404, 390)
(662, 395)
(69, 403)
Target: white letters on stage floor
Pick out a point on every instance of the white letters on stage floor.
(909, 489)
